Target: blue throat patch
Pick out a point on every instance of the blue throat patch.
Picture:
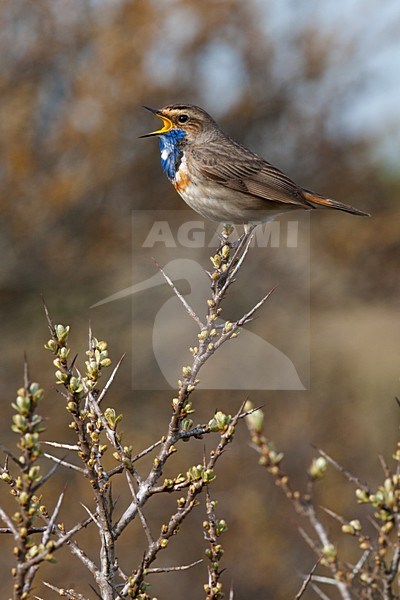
(171, 153)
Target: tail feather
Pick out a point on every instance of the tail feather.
(317, 201)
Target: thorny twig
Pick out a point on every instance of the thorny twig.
(84, 398)
(209, 341)
(307, 580)
(367, 579)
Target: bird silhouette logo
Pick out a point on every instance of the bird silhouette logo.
(250, 362)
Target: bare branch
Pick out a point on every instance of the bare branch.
(110, 380)
(48, 318)
(60, 445)
(319, 592)
(384, 466)
(64, 463)
(146, 451)
(45, 478)
(395, 562)
(309, 540)
(341, 469)
(26, 372)
(327, 580)
(247, 317)
(357, 568)
(70, 593)
(331, 513)
(307, 580)
(9, 454)
(145, 526)
(92, 516)
(73, 546)
(237, 260)
(10, 525)
(49, 528)
(169, 569)
(186, 305)
(231, 594)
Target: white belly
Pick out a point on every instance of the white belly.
(217, 203)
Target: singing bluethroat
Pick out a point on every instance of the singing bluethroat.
(221, 179)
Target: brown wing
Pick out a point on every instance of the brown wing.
(230, 164)
(239, 169)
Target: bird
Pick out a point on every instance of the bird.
(223, 180)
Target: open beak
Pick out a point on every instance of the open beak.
(167, 123)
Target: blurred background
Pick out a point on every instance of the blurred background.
(315, 88)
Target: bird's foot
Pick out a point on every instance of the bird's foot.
(236, 243)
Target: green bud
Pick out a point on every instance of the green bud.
(387, 527)
(318, 468)
(347, 528)
(219, 422)
(356, 524)
(75, 385)
(62, 332)
(329, 552)
(186, 371)
(216, 261)
(362, 496)
(52, 346)
(254, 420)
(23, 498)
(64, 353)
(112, 418)
(208, 475)
(20, 423)
(221, 526)
(225, 251)
(195, 473)
(186, 424)
(228, 326)
(6, 477)
(61, 377)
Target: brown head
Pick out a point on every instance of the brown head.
(193, 120)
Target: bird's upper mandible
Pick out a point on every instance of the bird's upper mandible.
(192, 120)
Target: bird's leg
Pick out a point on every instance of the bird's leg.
(248, 228)
(237, 242)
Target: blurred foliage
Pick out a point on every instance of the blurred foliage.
(285, 80)
(75, 74)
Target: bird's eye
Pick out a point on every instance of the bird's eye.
(183, 118)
